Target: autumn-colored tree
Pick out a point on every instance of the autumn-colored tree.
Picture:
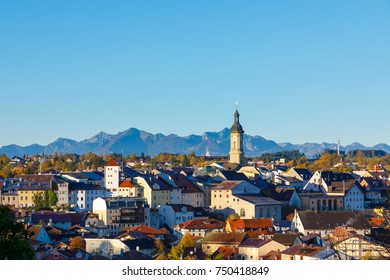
(176, 253)
(160, 246)
(233, 217)
(187, 241)
(77, 243)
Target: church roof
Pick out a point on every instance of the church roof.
(236, 125)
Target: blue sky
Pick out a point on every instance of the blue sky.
(302, 71)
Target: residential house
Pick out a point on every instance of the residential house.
(261, 228)
(323, 222)
(105, 247)
(81, 195)
(191, 193)
(200, 227)
(137, 241)
(332, 191)
(119, 213)
(288, 197)
(287, 182)
(61, 220)
(302, 174)
(128, 189)
(250, 172)
(287, 239)
(38, 233)
(206, 184)
(214, 240)
(154, 189)
(173, 214)
(61, 255)
(305, 252)
(227, 175)
(243, 199)
(149, 231)
(352, 246)
(256, 249)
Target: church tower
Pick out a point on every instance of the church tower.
(236, 154)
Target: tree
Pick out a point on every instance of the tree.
(160, 246)
(187, 241)
(176, 253)
(14, 244)
(185, 162)
(46, 203)
(77, 243)
(53, 199)
(38, 201)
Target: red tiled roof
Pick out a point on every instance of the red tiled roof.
(111, 163)
(145, 229)
(127, 184)
(377, 222)
(203, 224)
(252, 225)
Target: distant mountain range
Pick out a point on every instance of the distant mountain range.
(138, 141)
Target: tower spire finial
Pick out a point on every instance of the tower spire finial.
(236, 105)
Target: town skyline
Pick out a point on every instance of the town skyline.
(301, 72)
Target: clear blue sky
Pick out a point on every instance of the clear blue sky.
(302, 71)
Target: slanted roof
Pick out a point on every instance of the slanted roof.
(233, 175)
(331, 177)
(205, 224)
(227, 185)
(127, 184)
(254, 242)
(145, 229)
(74, 186)
(326, 220)
(185, 184)
(111, 163)
(131, 255)
(283, 194)
(304, 173)
(231, 166)
(286, 239)
(227, 238)
(34, 231)
(302, 250)
(37, 178)
(258, 199)
(251, 224)
(179, 207)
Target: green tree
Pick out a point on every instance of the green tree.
(38, 201)
(53, 199)
(14, 244)
(185, 162)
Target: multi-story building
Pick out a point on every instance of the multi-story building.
(111, 177)
(244, 199)
(81, 195)
(119, 213)
(154, 189)
(173, 214)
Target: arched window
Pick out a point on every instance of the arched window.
(242, 212)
